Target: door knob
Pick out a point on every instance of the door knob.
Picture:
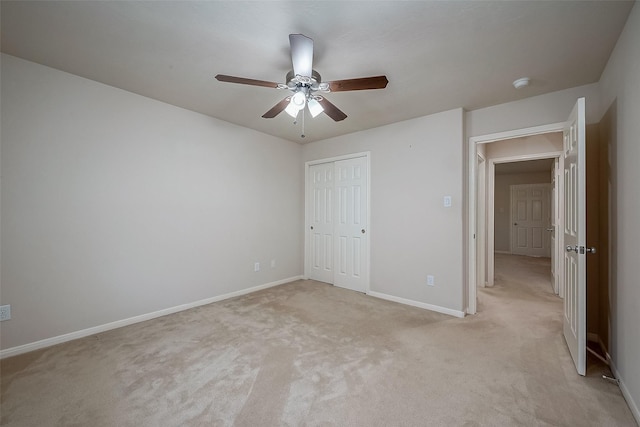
(581, 249)
(312, 227)
(515, 223)
(362, 231)
(550, 229)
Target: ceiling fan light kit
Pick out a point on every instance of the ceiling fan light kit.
(304, 82)
(314, 107)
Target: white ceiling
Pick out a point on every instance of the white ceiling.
(436, 55)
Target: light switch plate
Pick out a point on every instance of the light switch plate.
(5, 312)
(447, 201)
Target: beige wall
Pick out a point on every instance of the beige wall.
(115, 205)
(535, 111)
(620, 130)
(414, 164)
(525, 146)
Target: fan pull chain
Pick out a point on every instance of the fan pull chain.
(302, 135)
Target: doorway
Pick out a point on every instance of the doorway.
(524, 214)
(500, 154)
(570, 189)
(509, 167)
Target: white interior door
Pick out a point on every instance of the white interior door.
(351, 233)
(575, 319)
(530, 217)
(321, 192)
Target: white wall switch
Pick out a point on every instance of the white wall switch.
(256, 266)
(431, 281)
(447, 201)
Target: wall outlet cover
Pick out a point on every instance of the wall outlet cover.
(5, 312)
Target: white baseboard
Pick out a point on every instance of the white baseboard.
(502, 252)
(418, 304)
(48, 342)
(633, 405)
(593, 337)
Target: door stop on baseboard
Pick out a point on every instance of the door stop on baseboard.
(611, 379)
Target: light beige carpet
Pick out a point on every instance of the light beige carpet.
(310, 354)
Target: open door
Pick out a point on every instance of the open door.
(575, 319)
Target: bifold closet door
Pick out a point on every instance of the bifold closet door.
(339, 251)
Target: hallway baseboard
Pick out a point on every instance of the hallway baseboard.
(633, 405)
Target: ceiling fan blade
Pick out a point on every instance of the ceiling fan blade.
(243, 81)
(377, 82)
(277, 109)
(331, 110)
(301, 54)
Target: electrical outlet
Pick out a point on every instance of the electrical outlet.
(256, 266)
(5, 312)
(273, 263)
(431, 281)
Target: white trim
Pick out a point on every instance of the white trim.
(307, 252)
(48, 342)
(517, 133)
(338, 158)
(481, 225)
(424, 305)
(472, 288)
(633, 405)
(491, 224)
(595, 338)
(472, 218)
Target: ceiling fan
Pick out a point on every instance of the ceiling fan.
(304, 82)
